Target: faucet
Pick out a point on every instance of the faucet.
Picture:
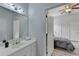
(16, 41)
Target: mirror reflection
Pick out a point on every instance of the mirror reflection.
(13, 25)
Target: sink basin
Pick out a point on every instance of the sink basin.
(13, 48)
(12, 42)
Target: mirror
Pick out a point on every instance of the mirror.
(23, 32)
(12, 25)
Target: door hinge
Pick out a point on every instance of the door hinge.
(46, 16)
(46, 53)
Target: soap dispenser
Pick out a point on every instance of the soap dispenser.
(6, 44)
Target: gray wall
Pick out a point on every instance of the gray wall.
(38, 26)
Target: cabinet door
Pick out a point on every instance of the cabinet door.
(21, 52)
(33, 49)
(26, 51)
(29, 50)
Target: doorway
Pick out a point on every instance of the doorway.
(64, 26)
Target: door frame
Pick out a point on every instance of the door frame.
(46, 10)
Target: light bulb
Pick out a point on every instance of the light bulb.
(11, 4)
(68, 10)
(20, 10)
(67, 6)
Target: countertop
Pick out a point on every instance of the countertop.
(13, 48)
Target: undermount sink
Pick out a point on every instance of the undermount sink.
(15, 43)
(14, 48)
(20, 43)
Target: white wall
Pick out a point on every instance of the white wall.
(67, 26)
(37, 23)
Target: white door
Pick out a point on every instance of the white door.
(50, 35)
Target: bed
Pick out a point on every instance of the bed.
(63, 43)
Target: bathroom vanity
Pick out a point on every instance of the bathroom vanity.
(24, 48)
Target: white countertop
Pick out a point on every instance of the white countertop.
(11, 49)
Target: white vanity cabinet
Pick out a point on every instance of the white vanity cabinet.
(29, 50)
(33, 50)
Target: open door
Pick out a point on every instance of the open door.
(49, 35)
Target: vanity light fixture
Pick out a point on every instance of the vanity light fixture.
(20, 10)
(11, 4)
(14, 7)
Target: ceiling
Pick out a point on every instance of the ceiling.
(24, 6)
(56, 12)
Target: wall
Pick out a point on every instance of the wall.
(67, 26)
(37, 23)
